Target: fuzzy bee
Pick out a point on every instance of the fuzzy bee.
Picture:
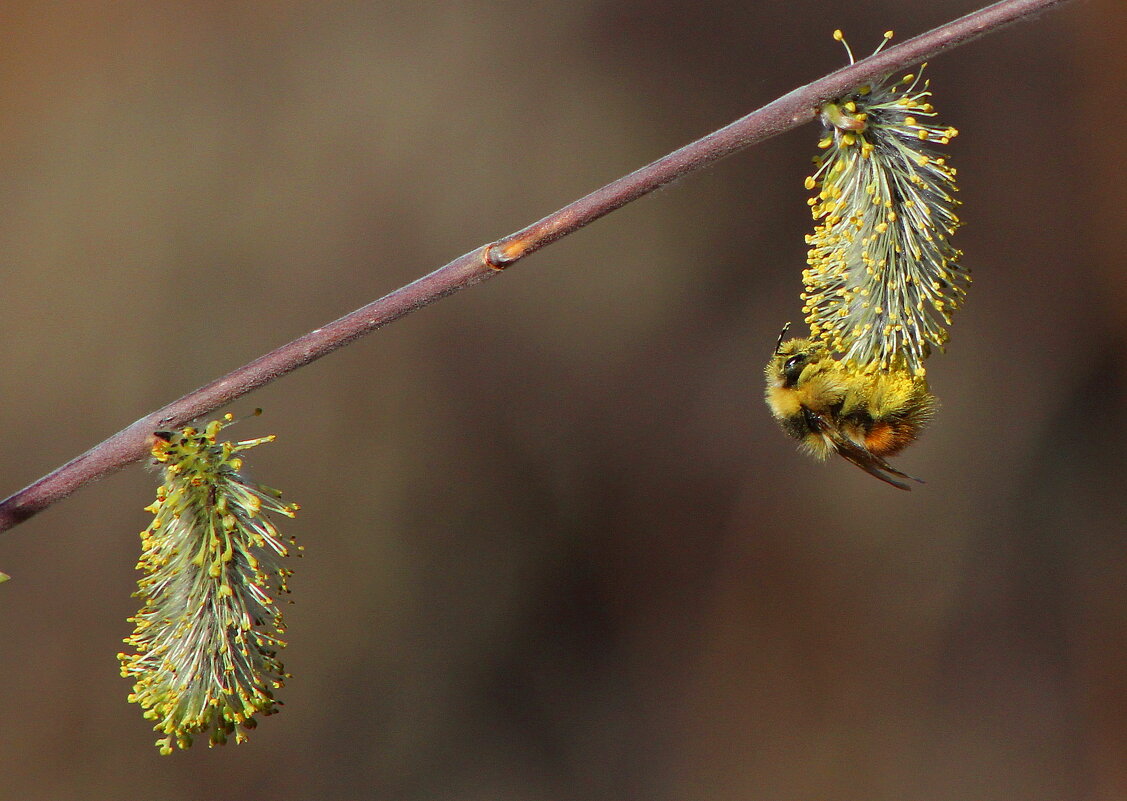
(834, 406)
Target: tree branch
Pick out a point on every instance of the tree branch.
(789, 111)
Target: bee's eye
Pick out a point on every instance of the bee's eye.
(792, 368)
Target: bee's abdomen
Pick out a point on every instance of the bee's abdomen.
(888, 437)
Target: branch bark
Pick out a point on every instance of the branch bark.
(789, 111)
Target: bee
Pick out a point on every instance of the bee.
(831, 406)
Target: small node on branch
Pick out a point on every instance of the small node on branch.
(498, 256)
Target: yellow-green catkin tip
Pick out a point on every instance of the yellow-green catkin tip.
(882, 276)
(207, 636)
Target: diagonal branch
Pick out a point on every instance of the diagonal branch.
(789, 111)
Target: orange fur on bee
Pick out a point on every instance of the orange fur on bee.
(886, 439)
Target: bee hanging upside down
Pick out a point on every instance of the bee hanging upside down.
(863, 415)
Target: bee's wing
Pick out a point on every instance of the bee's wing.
(859, 454)
(870, 462)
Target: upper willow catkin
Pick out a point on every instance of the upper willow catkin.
(207, 636)
(883, 277)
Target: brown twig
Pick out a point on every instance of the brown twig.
(789, 111)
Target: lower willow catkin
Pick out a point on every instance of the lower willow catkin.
(883, 277)
(881, 283)
(207, 635)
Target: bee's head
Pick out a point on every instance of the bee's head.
(791, 358)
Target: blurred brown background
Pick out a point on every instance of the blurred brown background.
(556, 548)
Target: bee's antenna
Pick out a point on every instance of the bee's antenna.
(782, 334)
